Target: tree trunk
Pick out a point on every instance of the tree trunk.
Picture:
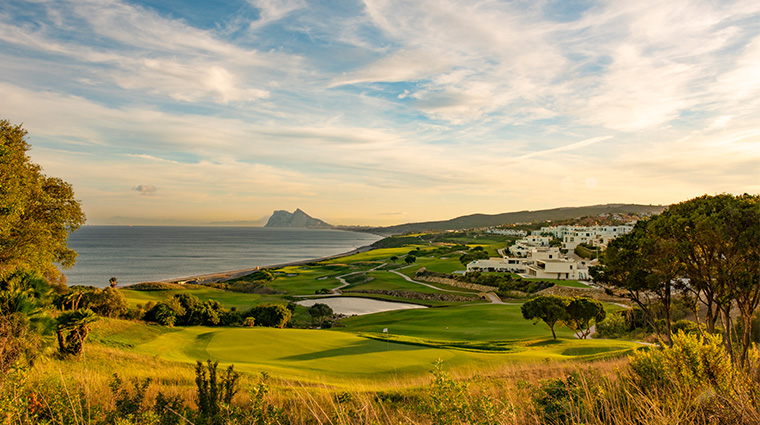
(727, 332)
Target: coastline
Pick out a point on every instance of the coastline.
(232, 274)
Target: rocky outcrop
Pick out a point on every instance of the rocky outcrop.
(297, 219)
(411, 295)
(454, 282)
(595, 293)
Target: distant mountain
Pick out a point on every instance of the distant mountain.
(487, 220)
(297, 219)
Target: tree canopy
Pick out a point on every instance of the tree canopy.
(37, 212)
(549, 308)
(706, 248)
(581, 312)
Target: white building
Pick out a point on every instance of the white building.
(502, 265)
(522, 247)
(595, 236)
(561, 268)
(507, 232)
(540, 262)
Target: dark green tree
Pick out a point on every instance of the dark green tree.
(581, 313)
(319, 312)
(718, 251)
(551, 309)
(410, 259)
(270, 315)
(644, 266)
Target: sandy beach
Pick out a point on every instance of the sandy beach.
(232, 274)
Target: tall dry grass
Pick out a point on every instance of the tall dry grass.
(689, 384)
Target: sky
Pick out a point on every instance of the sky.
(382, 112)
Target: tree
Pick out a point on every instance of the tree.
(113, 282)
(270, 315)
(643, 265)
(410, 259)
(549, 308)
(581, 312)
(73, 328)
(37, 212)
(718, 252)
(393, 259)
(477, 253)
(319, 311)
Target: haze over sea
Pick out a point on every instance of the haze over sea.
(152, 253)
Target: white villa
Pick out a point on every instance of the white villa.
(541, 263)
(572, 236)
(522, 247)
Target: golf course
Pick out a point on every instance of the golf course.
(470, 333)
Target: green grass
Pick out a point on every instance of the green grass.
(448, 265)
(226, 298)
(305, 280)
(481, 322)
(335, 357)
(388, 281)
(383, 254)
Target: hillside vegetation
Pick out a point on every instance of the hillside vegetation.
(488, 220)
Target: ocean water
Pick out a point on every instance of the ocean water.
(152, 253)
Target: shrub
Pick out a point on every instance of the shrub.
(693, 364)
(270, 315)
(214, 395)
(614, 326)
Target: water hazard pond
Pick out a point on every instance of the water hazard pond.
(353, 305)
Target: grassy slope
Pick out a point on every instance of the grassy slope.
(324, 356)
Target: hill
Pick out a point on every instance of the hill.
(297, 219)
(488, 220)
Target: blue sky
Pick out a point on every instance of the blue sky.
(382, 112)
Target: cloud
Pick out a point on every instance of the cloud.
(572, 146)
(274, 10)
(145, 189)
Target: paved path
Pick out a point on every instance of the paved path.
(343, 282)
(493, 298)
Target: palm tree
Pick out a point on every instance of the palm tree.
(73, 328)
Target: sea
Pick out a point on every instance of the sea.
(136, 254)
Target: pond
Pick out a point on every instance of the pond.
(358, 306)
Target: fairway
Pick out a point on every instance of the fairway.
(481, 322)
(342, 357)
(204, 293)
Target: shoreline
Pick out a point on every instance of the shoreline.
(232, 274)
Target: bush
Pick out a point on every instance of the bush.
(614, 326)
(214, 395)
(270, 315)
(693, 364)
